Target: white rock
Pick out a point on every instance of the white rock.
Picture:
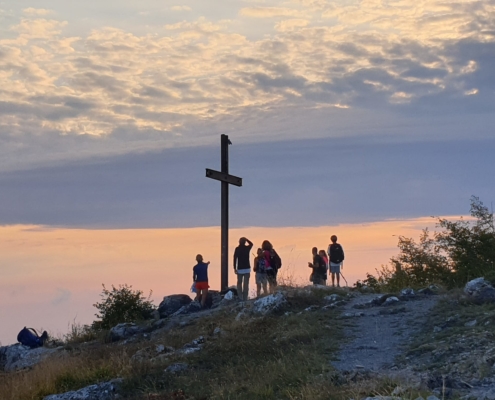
(474, 286)
(229, 295)
(101, 391)
(471, 323)
(270, 303)
(391, 300)
(16, 357)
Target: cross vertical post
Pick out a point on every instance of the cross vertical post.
(226, 179)
(224, 163)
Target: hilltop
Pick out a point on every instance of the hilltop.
(300, 343)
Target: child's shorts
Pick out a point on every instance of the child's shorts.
(202, 285)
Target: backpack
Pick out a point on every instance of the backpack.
(275, 261)
(322, 269)
(261, 267)
(336, 253)
(31, 339)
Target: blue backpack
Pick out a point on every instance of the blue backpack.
(31, 339)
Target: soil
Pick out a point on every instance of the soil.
(375, 336)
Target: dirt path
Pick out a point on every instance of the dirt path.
(376, 336)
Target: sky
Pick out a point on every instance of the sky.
(342, 114)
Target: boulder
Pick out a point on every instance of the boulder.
(270, 303)
(16, 357)
(407, 292)
(101, 391)
(193, 346)
(332, 298)
(480, 290)
(391, 300)
(124, 330)
(192, 307)
(171, 304)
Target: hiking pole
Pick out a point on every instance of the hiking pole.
(344, 277)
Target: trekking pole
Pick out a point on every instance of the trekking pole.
(344, 277)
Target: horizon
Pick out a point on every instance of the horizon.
(341, 113)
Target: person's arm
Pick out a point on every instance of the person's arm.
(235, 259)
(250, 244)
(194, 275)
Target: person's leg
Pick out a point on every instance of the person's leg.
(204, 296)
(239, 287)
(333, 278)
(338, 279)
(258, 289)
(265, 286)
(245, 286)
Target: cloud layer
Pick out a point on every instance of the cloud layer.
(338, 63)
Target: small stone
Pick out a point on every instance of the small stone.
(160, 348)
(177, 368)
(471, 323)
(391, 300)
(397, 391)
(437, 329)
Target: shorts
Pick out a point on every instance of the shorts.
(261, 278)
(335, 268)
(202, 285)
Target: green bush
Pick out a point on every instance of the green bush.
(460, 251)
(122, 304)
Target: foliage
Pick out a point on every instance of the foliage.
(122, 304)
(460, 251)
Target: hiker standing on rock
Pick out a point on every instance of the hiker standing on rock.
(200, 276)
(242, 267)
(260, 269)
(272, 263)
(319, 268)
(336, 256)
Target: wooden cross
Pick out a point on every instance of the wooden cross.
(226, 179)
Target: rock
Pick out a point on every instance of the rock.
(427, 292)
(311, 308)
(397, 391)
(177, 368)
(219, 332)
(193, 346)
(123, 331)
(471, 323)
(391, 300)
(270, 303)
(192, 307)
(229, 295)
(407, 292)
(149, 353)
(243, 314)
(332, 298)
(16, 357)
(480, 290)
(171, 304)
(437, 329)
(378, 301)
(101, 391)
(348, 315)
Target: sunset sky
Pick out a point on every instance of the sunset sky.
(356, 117)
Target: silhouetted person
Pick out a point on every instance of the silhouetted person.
(260, 269)
(336, 256)
(200, 276)
(273, 264)
(319, 268)
(242, 267)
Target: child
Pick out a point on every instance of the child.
(260, 269)
(200, 276)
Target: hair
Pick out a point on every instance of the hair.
(199, 258)
(322, 252)
(242, 241)
(259, 249)
(315, 250)
(333, 238)
(266, 245)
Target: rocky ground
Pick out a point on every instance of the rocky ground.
(410, 345)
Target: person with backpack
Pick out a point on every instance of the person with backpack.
(200, 276)
(336, 256)
(273, 263)
(319, 268)
(242, 267)
(324, 256)
(260, 269)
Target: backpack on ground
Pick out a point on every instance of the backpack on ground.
(30, 338)
(336, 253)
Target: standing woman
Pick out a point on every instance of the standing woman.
(260, 269)
(272, 263)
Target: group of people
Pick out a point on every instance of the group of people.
(266, 265)
(322, 262)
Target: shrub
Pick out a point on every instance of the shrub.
(460, 251)
(122, 304)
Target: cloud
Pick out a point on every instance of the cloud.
(181, 8)
(62, 296)
(112, 91)
(269, 12)
(36, 11)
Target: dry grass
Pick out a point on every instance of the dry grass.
(273, 357)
